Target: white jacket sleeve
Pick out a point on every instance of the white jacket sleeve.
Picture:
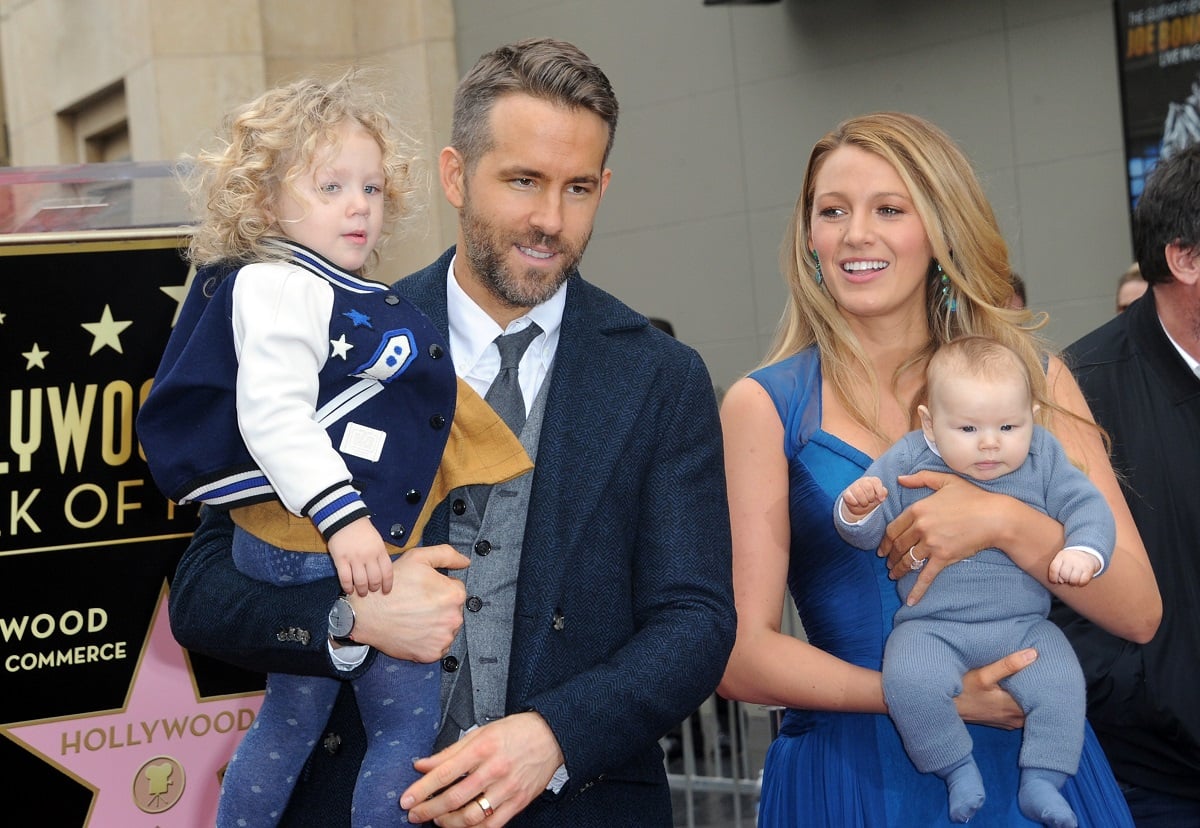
(281, 334)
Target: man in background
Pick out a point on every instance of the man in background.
(1141, 376)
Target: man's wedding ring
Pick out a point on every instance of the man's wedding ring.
(915, 564)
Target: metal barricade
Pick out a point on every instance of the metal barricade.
(714, 764)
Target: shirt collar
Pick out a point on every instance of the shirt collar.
(1191, 361)
(472, 330)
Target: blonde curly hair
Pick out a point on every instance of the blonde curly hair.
(263, 149)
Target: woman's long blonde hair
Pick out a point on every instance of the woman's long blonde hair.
(966, 242)
(263, 149)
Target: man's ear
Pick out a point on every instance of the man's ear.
(926, 423)
(452, 172)
(1184, 262)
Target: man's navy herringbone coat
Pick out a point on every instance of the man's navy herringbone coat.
(627, 543)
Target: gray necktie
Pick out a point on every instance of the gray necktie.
(504, 396)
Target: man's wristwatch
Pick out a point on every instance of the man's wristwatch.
(341, 620)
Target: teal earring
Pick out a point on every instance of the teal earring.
(947, 295)
(817, 262)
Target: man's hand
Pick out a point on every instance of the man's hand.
(418, 619)
(508, 762)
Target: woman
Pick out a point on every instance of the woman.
(892, 250)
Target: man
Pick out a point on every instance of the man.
(598, 596)
(1139, 373)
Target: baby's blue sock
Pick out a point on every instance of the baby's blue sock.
(965, 788)
(1040, 800)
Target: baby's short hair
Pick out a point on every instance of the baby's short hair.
(977, 356)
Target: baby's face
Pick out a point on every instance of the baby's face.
(982, 428)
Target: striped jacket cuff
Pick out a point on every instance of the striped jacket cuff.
(336, 507)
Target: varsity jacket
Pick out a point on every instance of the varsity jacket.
(298, 381)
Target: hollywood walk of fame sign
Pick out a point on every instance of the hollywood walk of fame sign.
(106, 717)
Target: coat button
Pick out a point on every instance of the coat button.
(435, 351)
(412, 496)
(458, 506)
(559, 622)
(474, 603)
(437, 421)
(483, 548)
(332, 743)
(397, 531)
(391, 299)
(450, 664)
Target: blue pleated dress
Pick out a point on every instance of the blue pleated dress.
(844, 770)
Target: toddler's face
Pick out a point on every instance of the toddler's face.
(981, 428)
(338, 209)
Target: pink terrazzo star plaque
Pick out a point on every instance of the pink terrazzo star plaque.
(155, 763)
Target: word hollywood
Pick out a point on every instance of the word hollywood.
(79, 429)
(69, 623)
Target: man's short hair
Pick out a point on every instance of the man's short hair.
(544, 68)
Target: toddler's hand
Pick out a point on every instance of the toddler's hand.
(360, 558)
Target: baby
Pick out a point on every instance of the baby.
(979, 424)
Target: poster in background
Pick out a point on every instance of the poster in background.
(1159, 57)
(107, 720)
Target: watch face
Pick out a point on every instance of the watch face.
(341, 618)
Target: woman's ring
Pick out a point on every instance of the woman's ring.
(482, 802)
(915, 564)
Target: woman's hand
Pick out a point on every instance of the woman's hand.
(984, 701)
(948, 526)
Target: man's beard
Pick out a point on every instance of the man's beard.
(485, 251)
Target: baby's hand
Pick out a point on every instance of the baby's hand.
(361, 558)
(862, 496)
(1074, 567)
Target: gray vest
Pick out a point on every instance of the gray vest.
(493, 543)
